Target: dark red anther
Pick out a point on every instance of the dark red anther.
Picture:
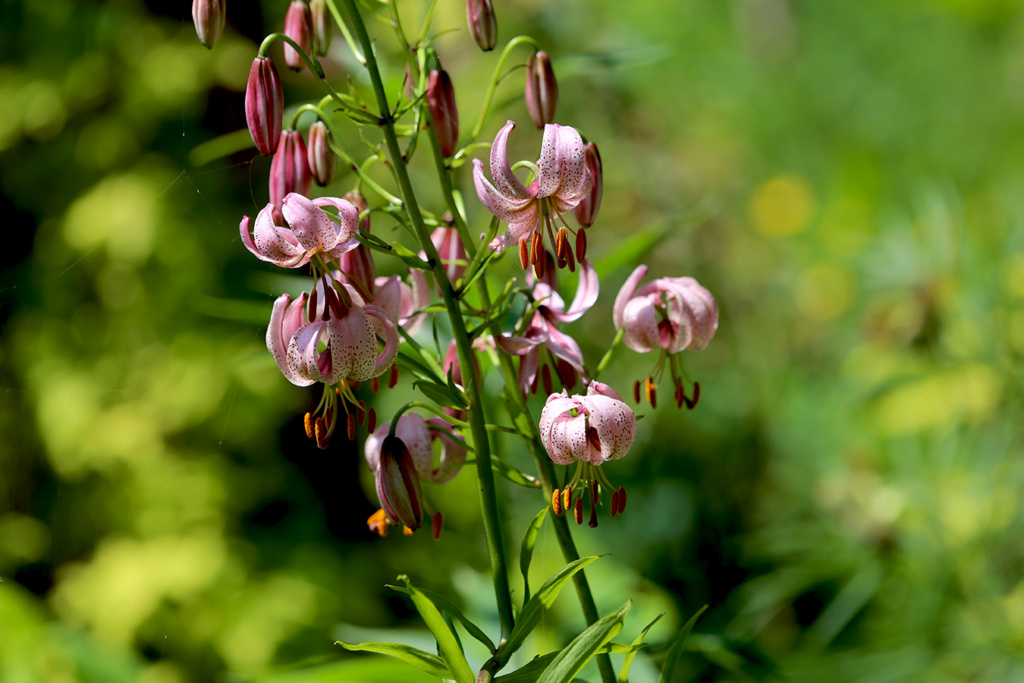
(615, 503)
(351, 427)
(524, 253)
(622, 499)
(545, 376)
(636, 392)
(371, 421)
(577, 510)
(436, 523)
(696, 396)
(581, 244)
(393, 379)
(373, 385)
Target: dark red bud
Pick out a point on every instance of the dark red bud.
(398, 485)
(298, 25)
(264, 105)
(443, 112)
(322, 26)
(541, 89)
(483, 25)
(289, 171)
(586, 210)
(322, 159)
(209, 17)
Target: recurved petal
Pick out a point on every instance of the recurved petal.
(348, 216)
(626, 293)
(504, 179)
(565, 347)
(412, 430)
(507, 208)
(353, 346)
(640, 321)
(615, 425)
(453, 452)
(701, 309)
(313, 228)
(303, 356)
(563, 164)
(386, 358)
(563, 435)
(285, 319)
(276, 244)
(587, 290)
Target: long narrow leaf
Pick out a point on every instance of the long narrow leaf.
(674, 652)
(628, 661)
(538, 604)
(446, 641)
(526, 552)
(576, 654)
(446, 605)
(528, 673)
(513, 475)
(424, 661)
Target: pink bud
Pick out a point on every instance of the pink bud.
(322, 159)
(443, 112)
(298, 25)
(359, 201)
(482, 23)
(541, 89)
(451, 250)
(209, 17)
(264, 105)
(586, 210)
(322, 26)
(358, 263)
(594, 428)
(289, 171)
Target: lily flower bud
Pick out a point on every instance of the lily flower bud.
(322, 26)
(541, 89)
(209, 17)
(586, 210)
(443, 112)
(298, 25)
(264, 105)
(483, 25)
(289, 171)
(322, 159)
(398, 485)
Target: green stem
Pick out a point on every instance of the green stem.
(497, 79)
(345, 32)
(444, 174)
(478, 422)
(608, 354)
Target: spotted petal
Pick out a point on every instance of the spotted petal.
(563, 166)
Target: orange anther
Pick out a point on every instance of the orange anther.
(556, 502)
(407, 531)
(524, 253)
(308, 423)
(651, 389)
(351, 427)
(320, 433)
(567, 497)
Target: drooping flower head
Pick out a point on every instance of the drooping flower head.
(671, 314)
(588, 430)
(543, 340)
(561, 181)
(398, 480)
(310, 231)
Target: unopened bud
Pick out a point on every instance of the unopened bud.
(264, 105)
(298, 25)
(359, 201)
(209, 17)
(586, 210)
(483, 25)
(443, 112)
(541, 89)
(289, 171)
(322, 26)
(322, 159)
(398, 485)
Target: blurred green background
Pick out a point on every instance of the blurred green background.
(845, 177)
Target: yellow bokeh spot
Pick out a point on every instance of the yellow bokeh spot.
(824, 291)
(940, 401)
(120, 212)
(1013, 275)
(783, 205)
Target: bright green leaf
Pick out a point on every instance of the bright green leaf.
(576, 654)
(529, 672)
(628, 661)
(446, 605)
(674, 652)
(448, 645)
(424, 661)
(526, 552)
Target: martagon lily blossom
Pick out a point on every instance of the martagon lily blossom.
(672, 314)
(561, 181)
(310, 231)
(588, 430)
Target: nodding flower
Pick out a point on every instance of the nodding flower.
(309, 232)
(561, 180)
(402, 461)
(672, 314)
(588, 430)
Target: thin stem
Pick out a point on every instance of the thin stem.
(497, 79)
(345, 32)
(443, 173)
(350, 162)
(608, 354)
(478, 422)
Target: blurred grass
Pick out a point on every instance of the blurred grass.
(844, 177)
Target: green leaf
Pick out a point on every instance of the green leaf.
(632, 250)
(639, 642)
(409, 258)
(442, 394)
(674, 652)
(424, 661)
(446, 605)
(529, 672)
(576, 654)
(535, 607)
(447, 643)
(526, 552)
(505, 470)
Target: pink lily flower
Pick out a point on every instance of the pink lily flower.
(672, 314)
(310, 231)
(543, 333)
(561, 181)
(398, 472)
(588, 430)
